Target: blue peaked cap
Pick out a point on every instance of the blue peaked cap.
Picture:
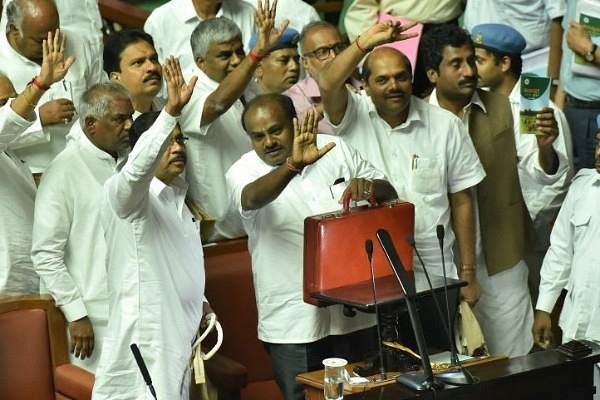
(498, 37)
(288, 39)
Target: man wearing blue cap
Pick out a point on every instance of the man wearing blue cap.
(498, 50)
(280, 68)
(212, 118)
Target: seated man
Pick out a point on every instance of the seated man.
(286, 178)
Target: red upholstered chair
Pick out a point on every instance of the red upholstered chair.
(34, 362)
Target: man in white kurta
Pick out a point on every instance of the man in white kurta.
(69, 250)
(17, 196)
(185, 16)
(424, 151)
(155, 265)
(17, 188)
(276, 231)
(212, 119)
(47, 136)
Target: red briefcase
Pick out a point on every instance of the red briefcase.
(334, 245)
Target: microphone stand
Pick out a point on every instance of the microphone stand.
(456, 375)
(417, 380)
(369, 250)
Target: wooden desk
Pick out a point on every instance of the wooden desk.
(313, 381)
(546, 375)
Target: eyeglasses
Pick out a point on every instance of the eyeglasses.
(323, 52)
(180, 140)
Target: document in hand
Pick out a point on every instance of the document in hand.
(535, 95)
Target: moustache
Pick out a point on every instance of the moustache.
(178, 158)
(152, 76)
(468, 81)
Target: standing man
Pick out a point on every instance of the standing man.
(498, 56)
(29, 22)
(424, 150)
(287, 178)
(131, 59)
(579, 95)
(69, 250)
(17, 188)
(572, 263)
(280, 68)
(212, 118)
(155, 267)
(503, 226)
(319, 43)
(171, 25)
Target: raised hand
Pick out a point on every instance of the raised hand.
(268, 34)
(54, 65)
(178, 92)
(385, 32)
(305, 150)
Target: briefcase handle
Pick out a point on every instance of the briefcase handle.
(346, 202)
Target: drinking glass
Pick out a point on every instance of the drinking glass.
(335, 374)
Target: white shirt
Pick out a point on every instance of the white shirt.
(17, 196)
(573, 258)
(155, 275)
(297, 12)
(211, 150)
(275, 241)
(425, 158)
(69, 250)
(504, 309)
(39, 145)
(531, 18)
(180, 14)
(542, 198)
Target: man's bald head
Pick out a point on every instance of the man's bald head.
(29, 22)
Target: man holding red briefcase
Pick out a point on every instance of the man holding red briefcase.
(291, 174)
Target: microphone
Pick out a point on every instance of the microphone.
(369, 250)
(458, 376)
(417, 380)
(411, 242)
(142, 366)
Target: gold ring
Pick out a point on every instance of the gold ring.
(66, 120)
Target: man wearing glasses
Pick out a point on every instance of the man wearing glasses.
(319, 42)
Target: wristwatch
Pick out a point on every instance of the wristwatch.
(591, 55)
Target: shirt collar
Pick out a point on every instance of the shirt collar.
(184, 11)
(309, 86)
(475, 99)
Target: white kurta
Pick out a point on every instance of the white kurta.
(211, 150)
(573, 258)
(39, 145)
(275, 241)
(155, 276)
(17, 196)
(69, 250)
(425, 158)
(180, 14)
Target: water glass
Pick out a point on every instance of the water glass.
(335, 374)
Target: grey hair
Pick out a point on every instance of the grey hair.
(15, 12)
(97, 98)
(214, 30)
(311, 26)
